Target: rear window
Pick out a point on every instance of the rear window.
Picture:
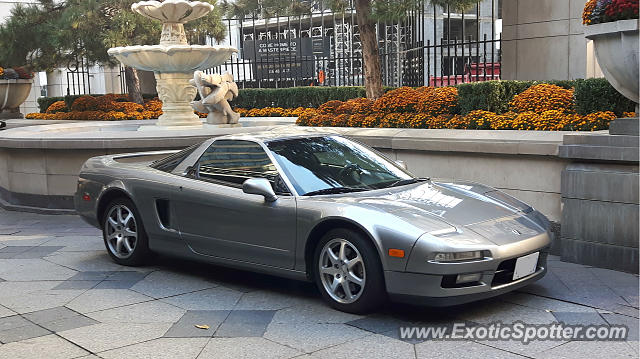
(170, 163)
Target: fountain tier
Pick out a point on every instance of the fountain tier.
(172, 58)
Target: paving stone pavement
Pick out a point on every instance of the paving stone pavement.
(62, 297)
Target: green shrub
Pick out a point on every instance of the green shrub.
(295, 96)
(491, 96)
(594, 95)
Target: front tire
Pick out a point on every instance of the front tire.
(348, 272)
(123, 233)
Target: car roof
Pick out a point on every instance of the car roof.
(278, 133)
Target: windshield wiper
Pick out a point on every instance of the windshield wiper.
(335, 190)
(405, 182)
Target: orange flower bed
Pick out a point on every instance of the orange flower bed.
(437, 101)
(541, 107)
(544, 97)
(80, 116)
(432, 100)
(551, 120)
(109, 107)
(84, 103)
(403, 99)
(58, 106)
(270, 112)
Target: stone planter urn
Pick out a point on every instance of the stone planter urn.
(12, 94)
(616, 48)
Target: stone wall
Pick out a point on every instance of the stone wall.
(601, 204)
(40, 168)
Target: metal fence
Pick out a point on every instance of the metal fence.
(78, 78)
(431, 46)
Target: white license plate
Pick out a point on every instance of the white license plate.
(526, 265)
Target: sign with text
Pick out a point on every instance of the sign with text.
(284, 58)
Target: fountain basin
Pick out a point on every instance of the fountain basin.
(172, 58)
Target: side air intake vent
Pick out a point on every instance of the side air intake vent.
(164, 214)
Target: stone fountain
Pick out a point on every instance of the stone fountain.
(174, 61)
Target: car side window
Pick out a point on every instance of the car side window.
(231, 162)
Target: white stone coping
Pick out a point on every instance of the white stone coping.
(540, 143)
(123, 135)
(605, 28)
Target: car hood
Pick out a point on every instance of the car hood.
(441, 207)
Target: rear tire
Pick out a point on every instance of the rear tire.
(124, 236)
(347, 270)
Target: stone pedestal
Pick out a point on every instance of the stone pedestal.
(176, 94)
(600, 198)
(11, 114)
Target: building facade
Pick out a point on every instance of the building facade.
(544, 40)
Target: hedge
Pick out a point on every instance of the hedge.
(598, 95)
(591, 95)
(310, 96)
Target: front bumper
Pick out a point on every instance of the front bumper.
(428, 289)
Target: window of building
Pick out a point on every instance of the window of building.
(455, 33)
(455, 65)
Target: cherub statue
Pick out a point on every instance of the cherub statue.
(215, 93)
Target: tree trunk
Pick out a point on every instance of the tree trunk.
(370, 56)
(133, 85)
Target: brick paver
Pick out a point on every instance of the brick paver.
(62, 297)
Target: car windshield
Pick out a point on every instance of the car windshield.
(333, 164)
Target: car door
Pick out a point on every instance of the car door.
(216, 218)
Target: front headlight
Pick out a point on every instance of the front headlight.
(449, 257)
(509, 201)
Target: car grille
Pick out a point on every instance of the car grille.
(504, 273)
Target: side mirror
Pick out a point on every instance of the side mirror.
(260, 186)
(402, 164)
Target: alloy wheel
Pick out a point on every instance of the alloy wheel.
(121, 231)
(342, 271)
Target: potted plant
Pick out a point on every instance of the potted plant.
(613, 27)
(15, 86)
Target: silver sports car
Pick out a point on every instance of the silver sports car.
(316, 207)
